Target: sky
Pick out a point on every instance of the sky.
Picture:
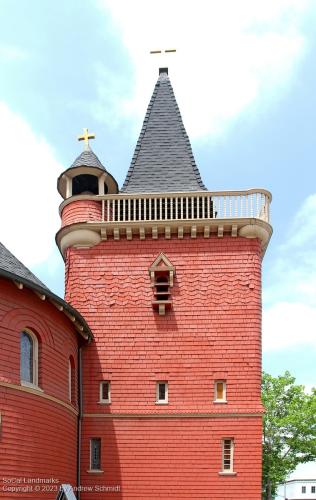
(244, 77)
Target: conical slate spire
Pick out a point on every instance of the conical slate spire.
(163, 160)
(87, 159)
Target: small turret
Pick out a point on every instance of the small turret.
(86, 175)
(81, 185)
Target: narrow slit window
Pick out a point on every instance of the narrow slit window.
(220, 391)
(105, 391)
(228, 455)
(95, 454)
(71, 379)
(28, 358)
(162, 392)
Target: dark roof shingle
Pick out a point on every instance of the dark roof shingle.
(87, 159)
(10, 265)
(12, 269)
(163, 160)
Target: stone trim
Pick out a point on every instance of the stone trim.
(172, 415)
(102, 231)
(39, 393)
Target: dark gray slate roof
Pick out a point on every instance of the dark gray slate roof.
(87, 159)
(10, 265)
(163, 160)
(13, 269)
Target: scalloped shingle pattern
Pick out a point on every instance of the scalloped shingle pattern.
(212, 331)
(163, 160)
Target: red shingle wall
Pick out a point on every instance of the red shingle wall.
(213, 332)
(173, 458)
(38, 435)
(81, 211)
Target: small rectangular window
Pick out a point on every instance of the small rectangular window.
(95, 453)
(313, 489)
(228, 455)
(220, 391)
(162, 392)
(105, 392)
(303, 489)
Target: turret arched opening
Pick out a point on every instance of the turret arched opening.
(85, 184)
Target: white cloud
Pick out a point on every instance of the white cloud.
(12, 53)
(294, 271)
(287, 324)
(289, 318)
(29, 200)
(230, 55)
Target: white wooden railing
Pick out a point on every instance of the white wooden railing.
(186, 206)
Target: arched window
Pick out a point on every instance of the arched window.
(71, 379)
(28, 358)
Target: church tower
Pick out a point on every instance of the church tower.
(168, 276)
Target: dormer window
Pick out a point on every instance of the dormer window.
(162, 273)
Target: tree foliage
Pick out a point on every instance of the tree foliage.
(289, 429)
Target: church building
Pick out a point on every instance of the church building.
(145, 382)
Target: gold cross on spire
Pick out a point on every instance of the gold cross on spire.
(163, 56)
(85, 137)
(166, 51)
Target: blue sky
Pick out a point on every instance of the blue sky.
(244, 77)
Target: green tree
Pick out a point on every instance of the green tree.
(289, 429)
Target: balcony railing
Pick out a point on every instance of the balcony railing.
(253, 203)
(88, 219)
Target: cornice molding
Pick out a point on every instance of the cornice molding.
(171, 415)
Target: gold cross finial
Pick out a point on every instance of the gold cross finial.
(85, 137)
(166, 51)
(163, 58)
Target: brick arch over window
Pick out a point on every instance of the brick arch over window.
(18, 319)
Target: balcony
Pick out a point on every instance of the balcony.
(238, 213)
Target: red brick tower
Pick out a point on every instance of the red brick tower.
(168, 276)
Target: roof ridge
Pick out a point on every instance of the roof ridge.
(141, 135)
